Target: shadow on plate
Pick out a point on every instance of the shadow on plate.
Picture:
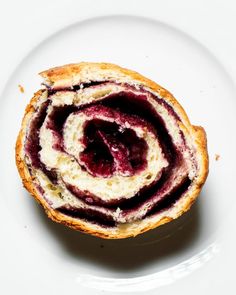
(132, 253)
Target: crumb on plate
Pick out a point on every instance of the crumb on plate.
(217, 157)
(22, 90)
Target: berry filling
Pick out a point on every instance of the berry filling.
(88, 215)
(112, 147)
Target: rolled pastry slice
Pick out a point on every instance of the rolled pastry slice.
(109, 152)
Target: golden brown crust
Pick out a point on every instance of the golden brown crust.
(65, 76)
(69, 73)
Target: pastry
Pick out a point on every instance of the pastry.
(109, 152)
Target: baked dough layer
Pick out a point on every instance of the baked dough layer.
(88, 83)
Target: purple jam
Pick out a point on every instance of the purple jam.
(138, 105)
(58, 117)
(110, 148)
(32, 146)
(88, 215)
(104, 220)
(171, 198)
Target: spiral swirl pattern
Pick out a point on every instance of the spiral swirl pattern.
(108, 153)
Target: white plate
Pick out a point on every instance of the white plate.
(41, 256)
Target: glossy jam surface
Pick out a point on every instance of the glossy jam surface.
(111, 148)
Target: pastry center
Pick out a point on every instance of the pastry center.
(112, 149)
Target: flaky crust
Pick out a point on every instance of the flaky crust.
(72, 74)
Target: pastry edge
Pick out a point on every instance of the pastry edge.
(65, 73)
